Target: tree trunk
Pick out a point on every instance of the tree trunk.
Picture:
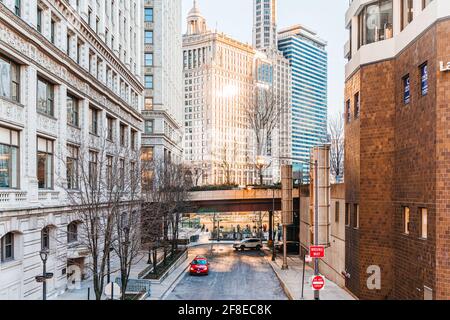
(155, 260)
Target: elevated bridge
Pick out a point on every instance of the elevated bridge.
(239, 200)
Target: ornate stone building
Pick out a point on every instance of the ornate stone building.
(396, 149)
(69, 70)
(163, 74)
(219, 85)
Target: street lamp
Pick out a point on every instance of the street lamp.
(43, 254)
(260, 163)
(274, 254)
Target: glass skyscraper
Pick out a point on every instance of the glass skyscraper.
(308, 58)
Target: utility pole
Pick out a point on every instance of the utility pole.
(316, 223)
(274, 255)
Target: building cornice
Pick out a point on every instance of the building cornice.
(360, 66)
(25, 33)
(63, 6)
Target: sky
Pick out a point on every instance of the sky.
(326, 17)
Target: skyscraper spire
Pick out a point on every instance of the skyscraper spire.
(195, 21)
(265, 24)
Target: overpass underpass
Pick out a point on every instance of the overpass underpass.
(220, 202)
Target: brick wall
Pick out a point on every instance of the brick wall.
(442, 222)
(414, 170)
(352, 182)
(397, 155)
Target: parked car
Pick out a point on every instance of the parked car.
(291, 247)
(250, 243)
(199, 266)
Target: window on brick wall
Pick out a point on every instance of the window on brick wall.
(424, 79)
(355, 220)
(406, 89)
(406, 220)
(424, 223)
(348, 110)
(336, 211)
(347, 214)
(357, 105)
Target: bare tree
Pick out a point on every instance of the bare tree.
(195, 172)
(126, 240)
(336, 136)
(99, 191)
(228, 158)
(166, 193)
(263, 117)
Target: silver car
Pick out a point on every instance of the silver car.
(250, 243)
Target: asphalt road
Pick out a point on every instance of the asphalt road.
(234, 275)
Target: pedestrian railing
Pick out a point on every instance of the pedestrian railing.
(136, 286)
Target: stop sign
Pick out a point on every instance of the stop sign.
(318, 282)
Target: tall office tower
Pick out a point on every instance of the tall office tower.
(218, 87)
(69, 71)
(163, 79)
(308, 58)
(265, 24)
(273, 74)
(396, 149)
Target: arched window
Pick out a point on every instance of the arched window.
(7, 247)
(45, 238)
(72, 232)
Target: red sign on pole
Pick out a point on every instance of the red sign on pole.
(317, 251)
(318, 282)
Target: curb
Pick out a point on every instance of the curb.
(173, 285)
(283, 285)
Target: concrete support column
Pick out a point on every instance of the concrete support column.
(354, 35)
(28, 141)
(46, 22)
(29, 11)
(61, 142)
(61, 36)
(102, 16)
(83, 10)
(116, 29)
(397, 17)
(417, 5)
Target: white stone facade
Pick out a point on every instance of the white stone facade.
(99, 66)
(385, 39)
(163, 108)
(218, 87)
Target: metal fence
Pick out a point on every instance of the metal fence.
(136, 286)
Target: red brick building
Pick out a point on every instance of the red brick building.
(397, 161)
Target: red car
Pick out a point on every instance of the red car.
(199, 266)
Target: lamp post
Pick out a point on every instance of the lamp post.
(274, 254)
(44, 256)
(260, 162)
(108, 280)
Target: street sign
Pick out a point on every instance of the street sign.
(317, 251)
(318, 282)
(308, 259)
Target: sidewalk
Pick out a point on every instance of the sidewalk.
(291, 280)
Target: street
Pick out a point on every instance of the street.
(234, 275)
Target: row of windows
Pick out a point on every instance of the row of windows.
(376, 20)
(9, 242)
(45, 97)
(10, 155)
(94, 65)
(352, 219)
(406, 85)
